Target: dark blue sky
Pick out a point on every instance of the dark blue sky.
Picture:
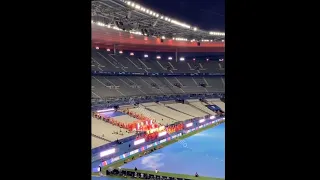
(205, 14)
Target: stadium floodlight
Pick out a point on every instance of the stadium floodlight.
(107, 152)
(100, 24)
(131, 54)
(139, 7)
(108, 49)
(217, 33)
(194, 59)
(140, 141)
(158, 57)
(170, 58)
(212, 117)
(120, 52)
(182, 59)
(146, 55)
(180, 24)
(97, 47)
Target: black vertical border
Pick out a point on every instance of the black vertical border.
(266, 83)
(50, 90)
(249, 90)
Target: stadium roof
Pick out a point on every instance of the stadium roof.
(105, 38)
(128, 16)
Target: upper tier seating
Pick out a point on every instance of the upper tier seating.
(102, 60)
(115, 86)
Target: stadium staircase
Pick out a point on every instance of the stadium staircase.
(166, 85)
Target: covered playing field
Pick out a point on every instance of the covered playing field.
(202, 153)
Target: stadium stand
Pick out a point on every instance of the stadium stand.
(107, 131)
(163, 110)
(162, 114)
(106, 61)
(131, 86)
(187, 109)
(199, 105)
(161, 120)
(217, 102)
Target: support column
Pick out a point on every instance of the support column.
(114, 49)
(176, 55)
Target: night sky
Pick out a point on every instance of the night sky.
(204, 14)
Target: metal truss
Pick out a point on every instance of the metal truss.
(113, 11)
